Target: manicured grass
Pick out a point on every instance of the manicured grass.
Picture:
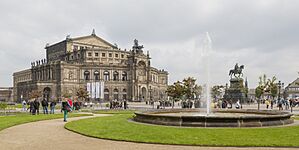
(117, 127)
(8, 121)
(114, 111)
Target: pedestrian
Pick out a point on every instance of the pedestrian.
(30, 105)
(267, 103)
(24, 105)
(67, 105)
(45, 105)
(36, 106)
(238, 104)
(287, 104)
(110, 104)
(52, 107)
(125, 104)
(272, 103)
(280, 104)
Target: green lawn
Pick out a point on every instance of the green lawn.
(114, 111)
(8, 121)
(117, 127)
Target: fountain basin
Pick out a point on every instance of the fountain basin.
(219, 118)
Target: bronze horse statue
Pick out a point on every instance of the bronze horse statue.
(236, 71)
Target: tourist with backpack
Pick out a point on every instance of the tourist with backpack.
(67, 106)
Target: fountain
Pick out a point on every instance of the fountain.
(219, 117)
(207, 47)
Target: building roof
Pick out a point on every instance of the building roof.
(293, 84)
(93, 35)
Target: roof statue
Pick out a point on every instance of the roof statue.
(68, 36)
(93, 32)
(136, 46)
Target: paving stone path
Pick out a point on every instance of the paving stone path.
(51, 135)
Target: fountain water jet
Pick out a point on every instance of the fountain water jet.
(207, 47)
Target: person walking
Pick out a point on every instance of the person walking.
(24, 105)
(45, 105)
(52, 107)
(30, 105)
(125, 104)
(67, 105)
(238, 105)
(280, 104)
(36, 106)
(267, 103)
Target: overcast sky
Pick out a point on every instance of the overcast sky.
(263, 35)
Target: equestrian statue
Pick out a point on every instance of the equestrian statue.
(236, 71)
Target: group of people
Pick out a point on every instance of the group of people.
(33, 106)
(227, 104)
(115, 104)
(281, 103)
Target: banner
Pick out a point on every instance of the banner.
(102, 90)
(93, 88)
(88, 89)
(97, 90)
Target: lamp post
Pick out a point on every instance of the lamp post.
(151, 99)
(279, 88)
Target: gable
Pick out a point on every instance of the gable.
(93, 40)
(294, 83)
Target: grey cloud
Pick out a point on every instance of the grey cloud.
(261, 34)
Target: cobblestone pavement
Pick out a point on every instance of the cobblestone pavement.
(51, 135)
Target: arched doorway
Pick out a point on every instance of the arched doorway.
(143, 93)
(47, 93)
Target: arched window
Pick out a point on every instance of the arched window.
(86, 75)
(124, 94)
(115, 94)
(124, 76)
(106, 75)
(115, 75)
(97, 75)
(106, 94)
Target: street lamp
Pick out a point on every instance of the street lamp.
(151, 99)
(279, 88)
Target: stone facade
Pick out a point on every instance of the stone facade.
(6, 94)
(292, 90)
(74, 62)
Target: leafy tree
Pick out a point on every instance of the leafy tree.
(82, 94)
(216, 91)
(189, 86)
(272, 87)
(35, 94)
(176, 91)
(197, 90)
(259, 92)
(266, 85)
(261, 88)
(3, 107)
(66, 95)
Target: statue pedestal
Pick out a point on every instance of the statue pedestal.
(236, 91)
